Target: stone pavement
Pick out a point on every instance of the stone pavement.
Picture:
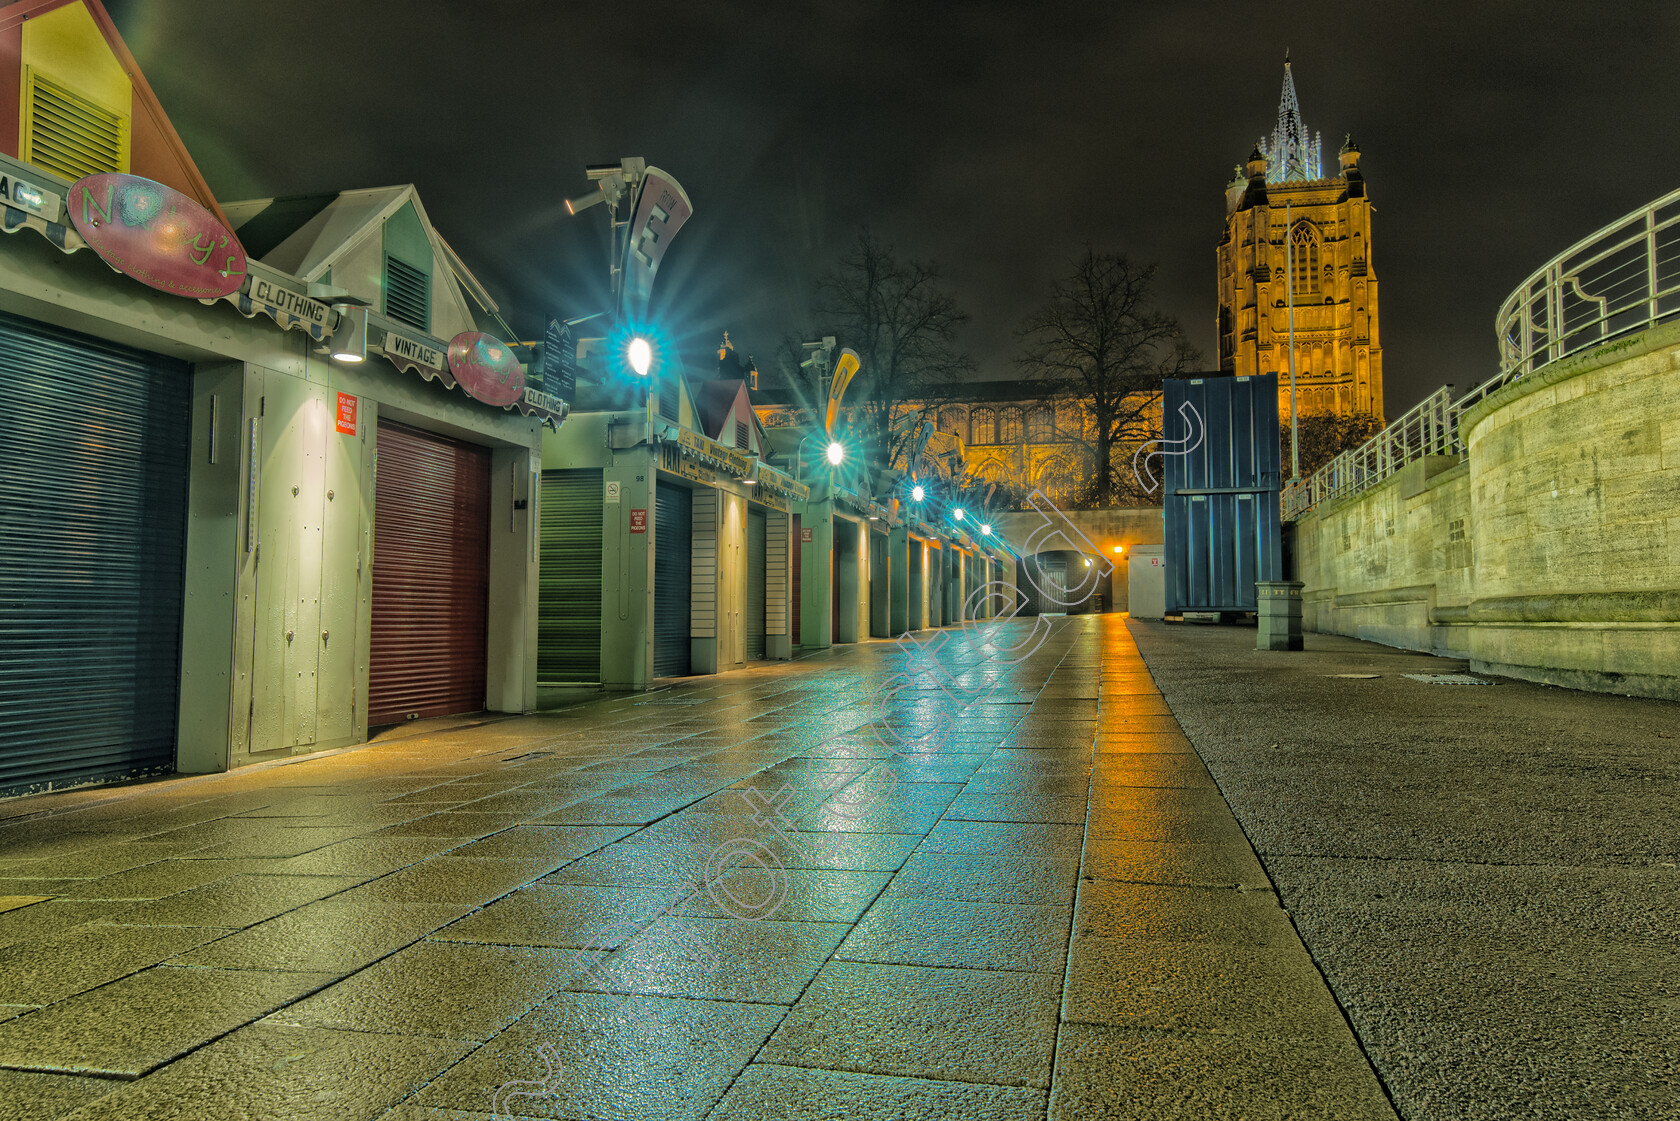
(1043, 907)
(1486, 874)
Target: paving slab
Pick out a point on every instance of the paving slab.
(1105, 1072)
(272, 1070)
(137, 1024)
(920, 1023)
(441, 989)
(675, 1060)
(801, 1094)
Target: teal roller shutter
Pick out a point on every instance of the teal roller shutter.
(755, 584)
(93, 487)
(569, 603)
(672, 575)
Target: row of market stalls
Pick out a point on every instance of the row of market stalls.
(275, 472)
(666, 552)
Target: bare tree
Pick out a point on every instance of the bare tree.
(903, 324)
(1100, 337)
(1324, 436)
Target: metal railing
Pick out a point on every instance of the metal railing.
(1620, 280)
(1617, 282)
(1428, 428)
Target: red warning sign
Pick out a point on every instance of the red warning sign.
(805, 534)
(638, 521)
(347, 414)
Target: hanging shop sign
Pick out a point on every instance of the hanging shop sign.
(286, 306)
(766, 497)
(661, 209)
(558, 376)
(486, 368)
(157, 235)
(30, 197)
(408, 353)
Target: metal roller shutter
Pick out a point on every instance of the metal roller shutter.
(431, 576)
(756, 537)
(569, 604)
(673, 543)
(94, 444)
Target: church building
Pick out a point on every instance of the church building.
(1297, 253)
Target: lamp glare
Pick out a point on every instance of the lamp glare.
(836, 453)
(985, 531)
(641, 356)
(917, 492)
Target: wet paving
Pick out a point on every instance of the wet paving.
(987, 877)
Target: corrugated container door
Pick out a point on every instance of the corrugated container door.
(755, 584)
(569, 603)
(93, 489)
(431, 576)
(672, 575)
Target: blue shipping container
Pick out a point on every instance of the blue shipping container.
(1221, 500)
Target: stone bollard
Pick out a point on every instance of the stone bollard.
(1280, 615)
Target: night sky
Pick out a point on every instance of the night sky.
(995, 138)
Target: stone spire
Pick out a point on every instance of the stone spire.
(1292, 155)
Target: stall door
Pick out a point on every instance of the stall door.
(93, 493)
(672, 575)
(569, 601)
(795, 542)
(755, 584)
(431, 575)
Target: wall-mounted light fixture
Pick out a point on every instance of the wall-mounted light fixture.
(349, 342)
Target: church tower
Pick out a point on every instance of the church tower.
(1293, 235)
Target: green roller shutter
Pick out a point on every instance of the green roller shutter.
(755, 584)
(672, 577)
(569, 605)
(93, 488)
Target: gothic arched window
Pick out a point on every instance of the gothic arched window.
(983, 423)
(1041, 425)
(951, 420)
(1303, 248)
(1013, 422)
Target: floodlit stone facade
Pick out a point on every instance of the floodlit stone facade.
(1295, 236)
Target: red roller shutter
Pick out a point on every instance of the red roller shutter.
(431, 576)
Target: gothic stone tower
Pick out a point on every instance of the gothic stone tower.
(1292, 231)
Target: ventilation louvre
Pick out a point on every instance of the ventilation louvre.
(71, 135)
(408, 294)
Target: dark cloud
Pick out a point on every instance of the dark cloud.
(998, 138)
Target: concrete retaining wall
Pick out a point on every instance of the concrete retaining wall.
(1551, 553)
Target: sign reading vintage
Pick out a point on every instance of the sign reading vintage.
(157, 235)
(486, 368)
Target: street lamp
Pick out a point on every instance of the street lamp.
(957, 513)
(836, 453)
(985, 531)
(917, 493)
(641, 355)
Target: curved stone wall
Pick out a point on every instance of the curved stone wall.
(1575, 501)
(1552, 553)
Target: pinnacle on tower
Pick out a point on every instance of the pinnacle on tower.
(1293, 154)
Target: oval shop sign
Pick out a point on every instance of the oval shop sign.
(486, 368)
(157, 235)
